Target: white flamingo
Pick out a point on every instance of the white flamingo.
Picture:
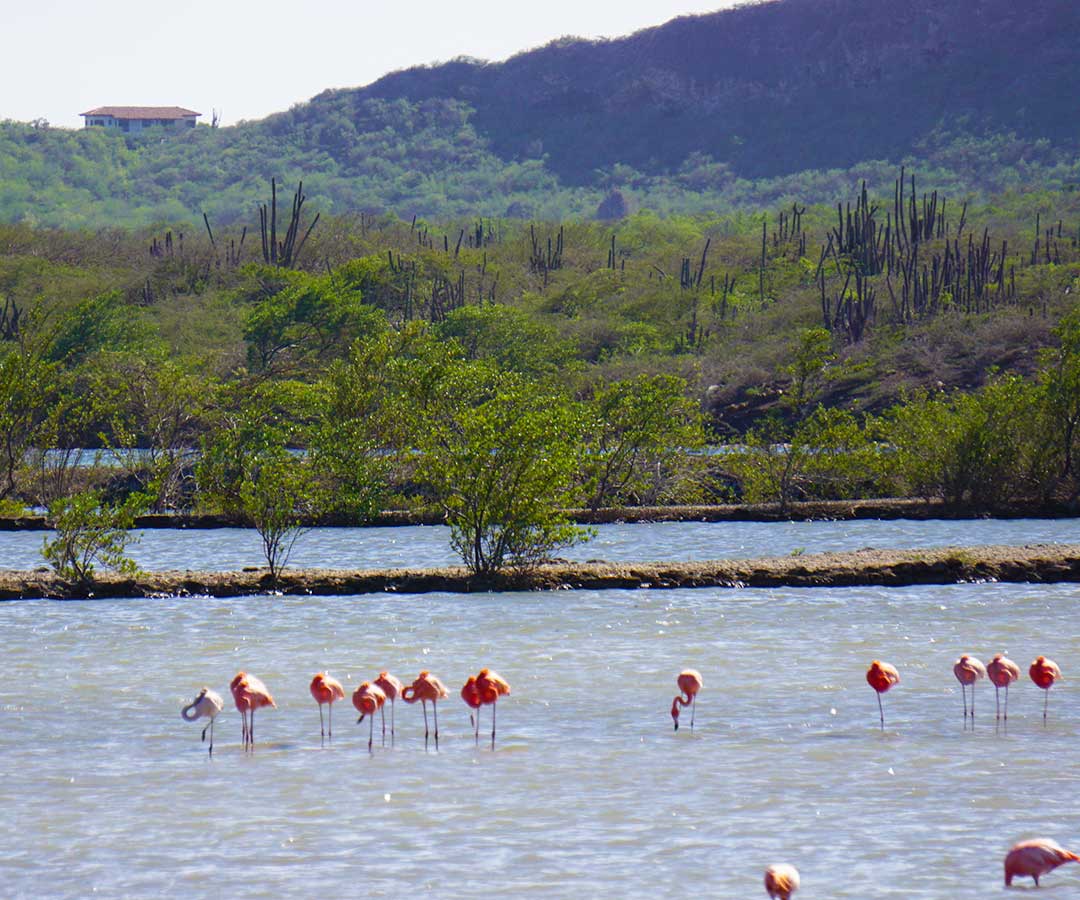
(206, 705)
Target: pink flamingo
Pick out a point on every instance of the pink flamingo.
(968, 670)
(781, 881)
(1034, 858)
(1003, 672)
(392, 687)
(490, 686)
(689, 682)
(1044, 672)
(367, 699)
(471, 695)
(881, 676)
(426, 688)
(249, 694)
(325, 689)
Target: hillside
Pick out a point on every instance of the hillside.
(750, 107)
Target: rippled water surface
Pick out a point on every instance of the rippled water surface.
(234, 548)
(588, 793)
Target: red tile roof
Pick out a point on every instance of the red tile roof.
(142, 112)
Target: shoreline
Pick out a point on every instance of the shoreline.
(1039, 563)
(818, 510)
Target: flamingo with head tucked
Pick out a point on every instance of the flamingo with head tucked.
(1002, 672)
(426, 688)
(206, 705)
(781, 881)
(367, 699)
(392, 687)
(471, 695)
(249, 694)
(490, 686)
(689, 682)
(881, 676)
(1044, 672)
(325, 689)
(968, 670)
(1034, 858)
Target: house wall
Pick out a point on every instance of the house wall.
(133, 125)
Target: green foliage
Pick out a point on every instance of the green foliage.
(511, 338)
(27, 390)
(965, 448)
(311, 320)
(90, 530)
(829, 455)
(279, 499)
(638, 442)
(501, 456)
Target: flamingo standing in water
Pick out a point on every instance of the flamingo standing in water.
(968, 670)
(249, 694)
(367, 699)
(426, 687)
(689, 682)
(392, 687)
(881, 676)
(471, 695)
(1003, 672)
(490, 686)
(206, 705)
(1034, 858)
(325, 689)
(781, 881)
(1044, 672)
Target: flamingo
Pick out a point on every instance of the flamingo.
(471, 695)
(689, 682)
(426, 687)
(1034, 858)
(968, 670)
(1044, 672)
(881, 676)
(325, 689)
(392, 687)
(367, 699)
(490, 686)
(1002, 672)
(206, 705)
(781, 881)
(249, 694)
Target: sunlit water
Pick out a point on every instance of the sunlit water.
(234, 548)
(104, 791)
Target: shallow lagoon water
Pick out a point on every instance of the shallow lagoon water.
(588, 792)
(233, 548)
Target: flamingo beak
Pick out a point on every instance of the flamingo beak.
(361, 719)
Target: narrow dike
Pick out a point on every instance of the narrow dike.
(1045, 563)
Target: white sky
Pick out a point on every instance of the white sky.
(248, 59)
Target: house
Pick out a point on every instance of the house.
(136, 118)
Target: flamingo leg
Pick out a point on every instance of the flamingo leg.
(211, 737)
(382, 711)
(251, 729)
(963, 693)
(322, 729)
(391, 721)
(371, 732)
(881, 711)
(330, 721)
(1006, 703)
(973, 703)
(997, 702)
(494, 706)
(435, 712)
(423, 703)
(1046, 702)
(693, 709)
